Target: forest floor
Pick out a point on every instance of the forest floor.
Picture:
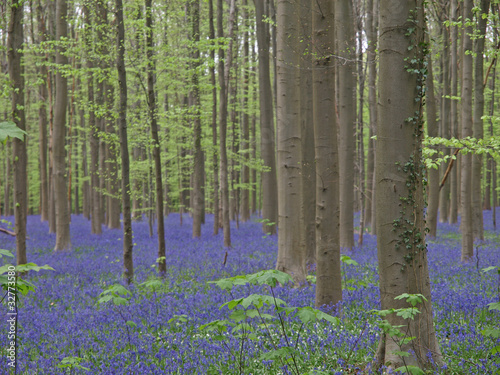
(153, 327)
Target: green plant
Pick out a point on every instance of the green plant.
(262, 317)
(72, 363)
(396, 333)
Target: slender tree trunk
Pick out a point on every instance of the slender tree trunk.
(328, 276)
(42, 121)
(253, 140)
(453, 184)
(162, 267)
(16, 75)
(466, 224)
(223, 95)
(399, 193)
(63, 240)
(198, 196)
(86, 185)
(96, 227)
(308, 175)
(445, 131)
(267, 142)
(245, 122)
(433, 174)
(128, 262)
(489, 190)
(478, 130)
(215, 166)
(344, 29)
(291, 256)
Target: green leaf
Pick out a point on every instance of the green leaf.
(348, 260)
(412, 299)
(6, 253)
(494, 306)
(491, 332)
(277, 354)
(9, 129)
(414, 370)
(491, 268)
(131, 324)
(400, 353)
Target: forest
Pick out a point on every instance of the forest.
(249, 187)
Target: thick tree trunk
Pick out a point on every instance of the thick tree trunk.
(291, 256)
(267, 142)
(16, 75)
(198, 196)
(478, 131)
(401, 245)
(162, 266)
(345, 37)
(63, 240)
(466, 224)
(128, 262)
(328, 276)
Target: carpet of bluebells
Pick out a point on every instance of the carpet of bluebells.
(62, 318)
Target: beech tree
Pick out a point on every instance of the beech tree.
(16, 74)
(402, 253)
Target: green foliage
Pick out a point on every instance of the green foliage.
(117, 294)
(72, 363)
(8, 129)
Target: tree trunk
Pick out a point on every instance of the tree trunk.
(401, 245)
(328, 276)
(215, 167)
(16, 75)
(42, 121)
(308, 175)
(466, 225)
(433, 174)
(128, 262)
(162, 266)
(444, 199)
(291, 256)
(453, 184)
(245, 122)
(63, 240)
(267, 143)
(86, 200)
(478, 131)
(223, 95)
(198, 196)
(345, 37)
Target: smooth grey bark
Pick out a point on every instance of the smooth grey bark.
(445, 130)
(346, 42)
(328, 275)
(223, 99)
(454, 119)
(402, 253)
(63, 240)
(162, 266)
(308, 175)
(433, 173)
(215, 166)
(128, 261)
(245, 121)
(267, 139)
(291, 256)
(86, 201)
(16, 75)
(198, 196)
(466, 224)
(478, 130)
(42, 121)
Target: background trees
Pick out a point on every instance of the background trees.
(200, 112)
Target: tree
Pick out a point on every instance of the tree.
(198, 196)
(63, 240)
(245, 121)
(267, 141)
(128, 261)
(162, 266)
(344, 29)
(16, 75)
(291, 256)
(466, 159)
(401, 245)
(328, 276)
